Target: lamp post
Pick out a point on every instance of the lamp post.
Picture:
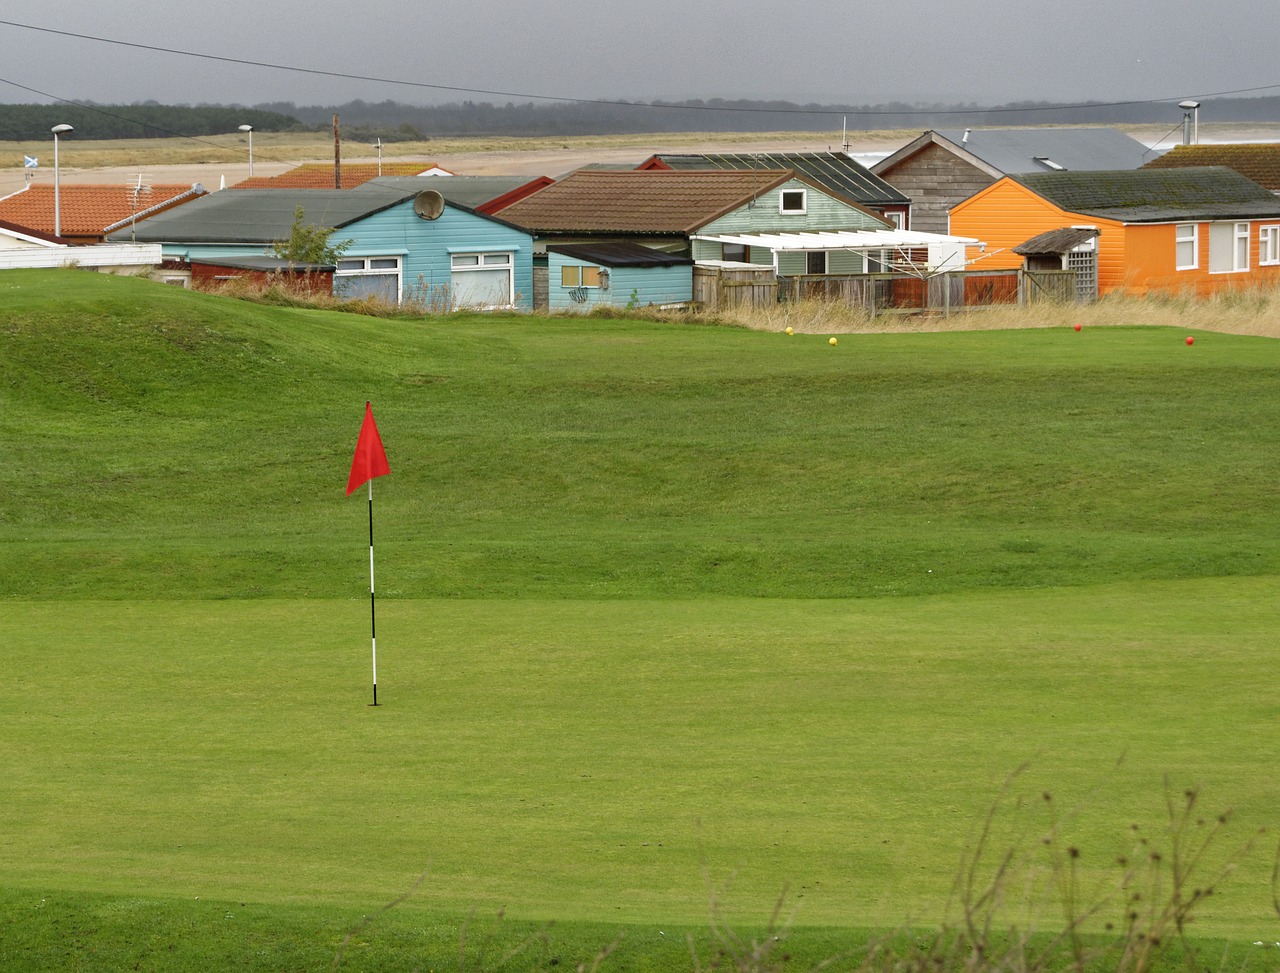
(1189, 109)
(57, 179)
(249, 129)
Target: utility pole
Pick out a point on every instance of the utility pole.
(337, 156)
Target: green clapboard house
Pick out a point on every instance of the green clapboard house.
(665, 210)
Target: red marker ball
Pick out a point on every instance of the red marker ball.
(1190, 340)
(1077, 327)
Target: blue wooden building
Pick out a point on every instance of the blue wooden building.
(401, 243)
(618, 273)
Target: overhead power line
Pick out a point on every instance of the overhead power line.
(459, 89)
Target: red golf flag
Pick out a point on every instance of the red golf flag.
(370, 459)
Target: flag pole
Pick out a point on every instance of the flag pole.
(373, 626)
(369, 461)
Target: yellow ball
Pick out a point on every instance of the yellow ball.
(789, 331)
(831, 341)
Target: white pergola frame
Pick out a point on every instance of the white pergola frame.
(899, 242)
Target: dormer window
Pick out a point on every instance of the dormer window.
(793, 201)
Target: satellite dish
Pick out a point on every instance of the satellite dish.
(428, 204)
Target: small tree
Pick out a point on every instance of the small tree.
(308, 244)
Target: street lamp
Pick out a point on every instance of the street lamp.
(1190, 108)
(57, 182)
(249, 129)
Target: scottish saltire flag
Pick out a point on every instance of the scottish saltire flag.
(30, 162)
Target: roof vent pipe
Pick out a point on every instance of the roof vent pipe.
(1190, 132)
(965, 137)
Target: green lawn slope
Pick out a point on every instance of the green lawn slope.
(166, 444)
(660, 607)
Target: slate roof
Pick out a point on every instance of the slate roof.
(670, 202)
(319, 175)
(262, 216)
(619, 253)
(88, 210)
(1003, 151)
(1032, 149)
(1259, 161)
(478, 193)
(833, 171)
(1155, 195)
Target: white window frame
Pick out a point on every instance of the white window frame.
(487, 260)
(367, 269)
(792, 210)
(1269, 245)
(1236, 237)
(826, 260)
(1186, 233)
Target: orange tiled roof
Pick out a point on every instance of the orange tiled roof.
(319, 175)
(631, 201)
(86, 210)
(1257, 160)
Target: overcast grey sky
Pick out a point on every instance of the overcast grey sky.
(829, 51)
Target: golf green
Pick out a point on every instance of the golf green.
(588, 760)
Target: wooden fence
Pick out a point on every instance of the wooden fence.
(943, 293)
(734, 286)
(886, 293)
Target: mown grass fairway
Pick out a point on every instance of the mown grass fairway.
(655, 602)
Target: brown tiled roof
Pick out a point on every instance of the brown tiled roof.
(86, 210)
(1259, 161)
(656, 201)
(319, 175)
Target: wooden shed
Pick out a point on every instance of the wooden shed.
(1068, 248)
(617, 273)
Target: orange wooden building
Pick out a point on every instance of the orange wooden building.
(1192, 230)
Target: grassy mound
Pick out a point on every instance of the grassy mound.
(180, 445)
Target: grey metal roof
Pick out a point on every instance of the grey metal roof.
(1154, 195)
(620, 253)
(833, 171)
(264, 263)
(465, 191)
(1014, 150)
(1062, 240)
(260, 215)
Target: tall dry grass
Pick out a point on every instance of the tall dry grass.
(1020, 904)
(1251, 311)
(1023, 907)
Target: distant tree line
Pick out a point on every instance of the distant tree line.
(139, 121)
(394, 122)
